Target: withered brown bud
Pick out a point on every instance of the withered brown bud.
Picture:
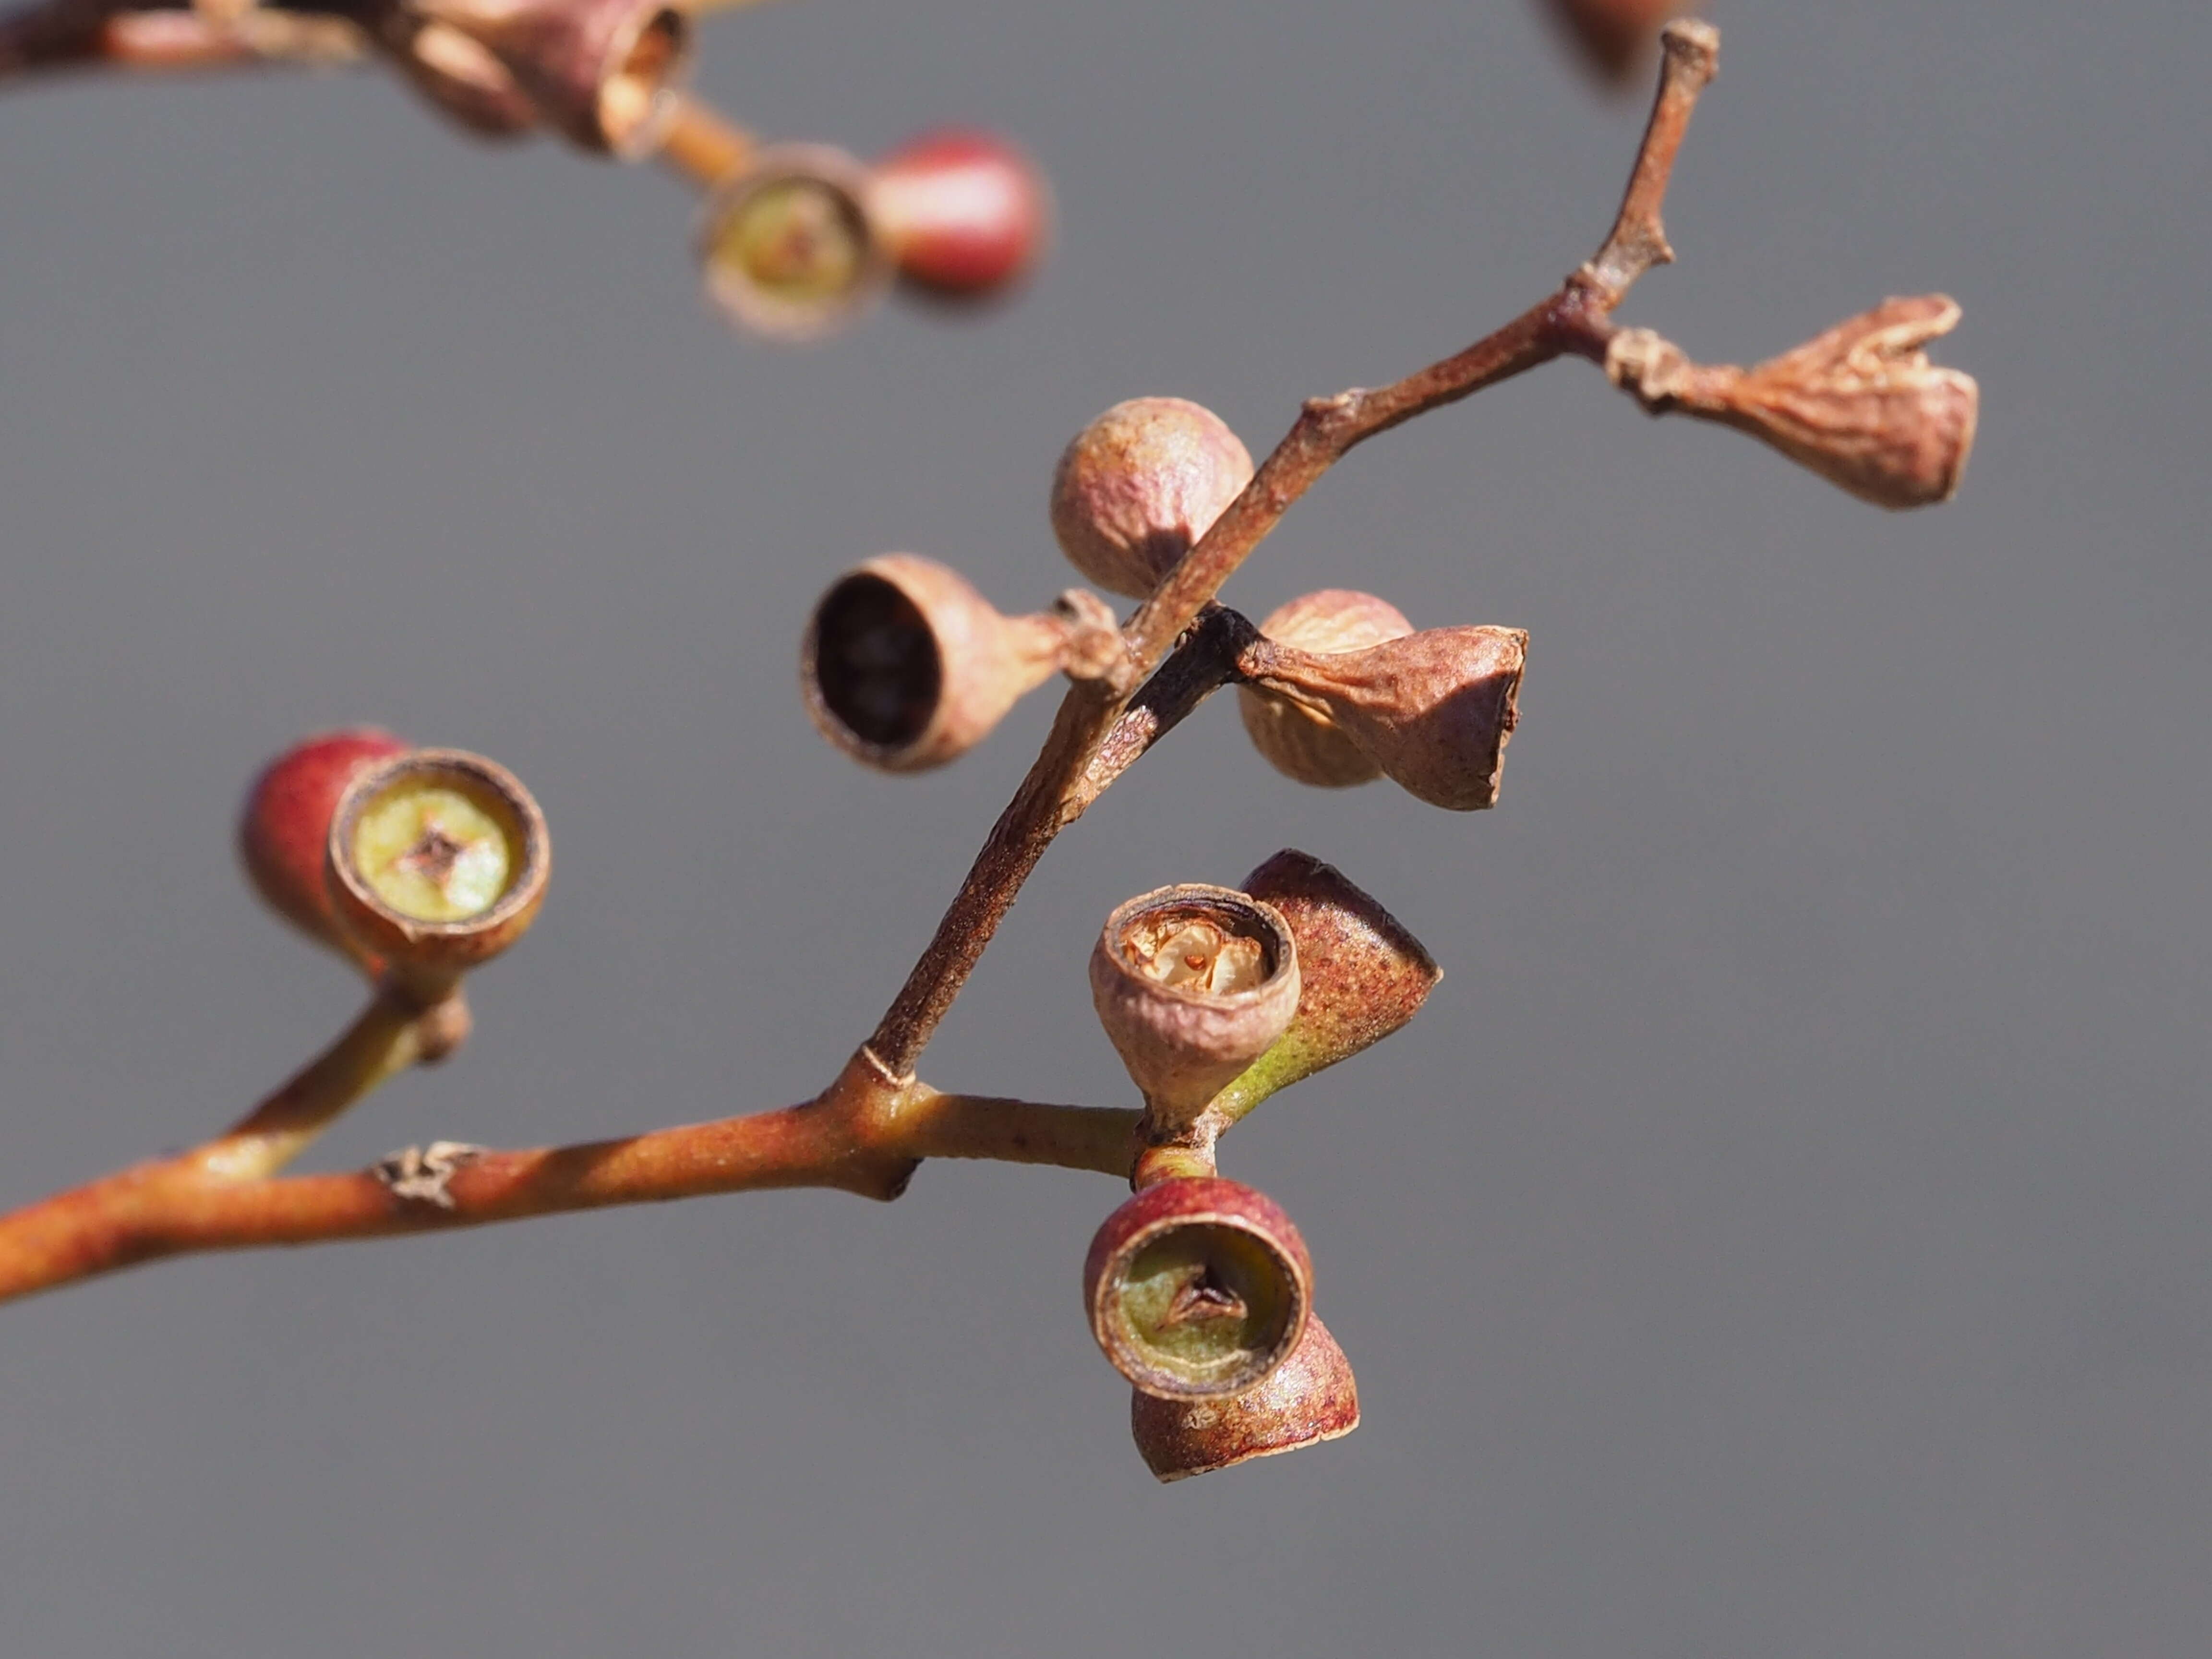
(1295, 740)
(604, 71)
(456, 74)
(438, 861)
(1361, 976)
(1861, 405)
(789, 247)
(1310, 1398)
(1613, 37)
(1192, 984)
(1432, 710)
(906, 666)
(1198, 1288)
(1138, 485)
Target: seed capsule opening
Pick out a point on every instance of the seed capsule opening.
(789, 248)
(637, 100)
(877, 669)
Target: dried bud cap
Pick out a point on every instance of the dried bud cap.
(1298, 741)
(1310, 1398)
(965, 214)
(1613, 37)
(1192, 984)
(284, 826)
(1138, 485)
(1198, 1288)
(906, 666)
(1361, 976)
(1432, 710)
(789, 248)
(438, 861)
(1861, 405)
(456, 74)
(604, 72)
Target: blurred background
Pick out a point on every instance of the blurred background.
(1783, 1232)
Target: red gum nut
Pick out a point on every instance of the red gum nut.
(1198, 1288)
(285, 826)
(1311, 1397)
(965, 213)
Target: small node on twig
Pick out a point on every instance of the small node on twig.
(1198, 1288)
(438, 861)
(788, 247)
(1859, 405)
(1432, 711)
(1310, 1397)
(1136, 488)
(1192, 983)
(422, 1175)
(905, 666)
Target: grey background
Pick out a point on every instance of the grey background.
(1783, 1234)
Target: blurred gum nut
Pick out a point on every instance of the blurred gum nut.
(965, 214)
(1295, 740)
(906, 666)
(438, 861)
(604, 72)
(1310, 1398)
(284, 826)
(456, 74)
(1198, 1288)
(1432, 710)
(1613, 38)
(1136, 488)
(1192, 984)
(1362, 975)
(789, 247)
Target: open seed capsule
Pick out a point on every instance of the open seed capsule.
(605, 72)
(438, 862)
(1198, 1288)
(1433, 710)
(1310, 1398)
(1296, 740)
(1192, 984)
(789, 247)
(906, 666)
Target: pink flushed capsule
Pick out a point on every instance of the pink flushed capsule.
(966, 214)
(1137, 487)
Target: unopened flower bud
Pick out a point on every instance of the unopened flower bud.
(1192, 984)
(965, 214)
(604, 71)
(1432, 710)
(1310, 1398)
(1198, 1288)
(284, 829)
(1295, 740)
(1861, 405)
(438, 861)
(906, 666)
(1361, 976)
(788, 247)
(1614, 37)
(1136, 488)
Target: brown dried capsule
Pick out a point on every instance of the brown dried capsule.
(1192, 984)
(1361, 974)
(1139, 485)
(1295, 740)
(605, 72)
(1310, 1398)
(789, 247)
(1198, 1288)
(284, 828)
(965, 213)
(906, 666)
(1861, 405)
(438, 861)
(456, 73)
(1432, 710)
